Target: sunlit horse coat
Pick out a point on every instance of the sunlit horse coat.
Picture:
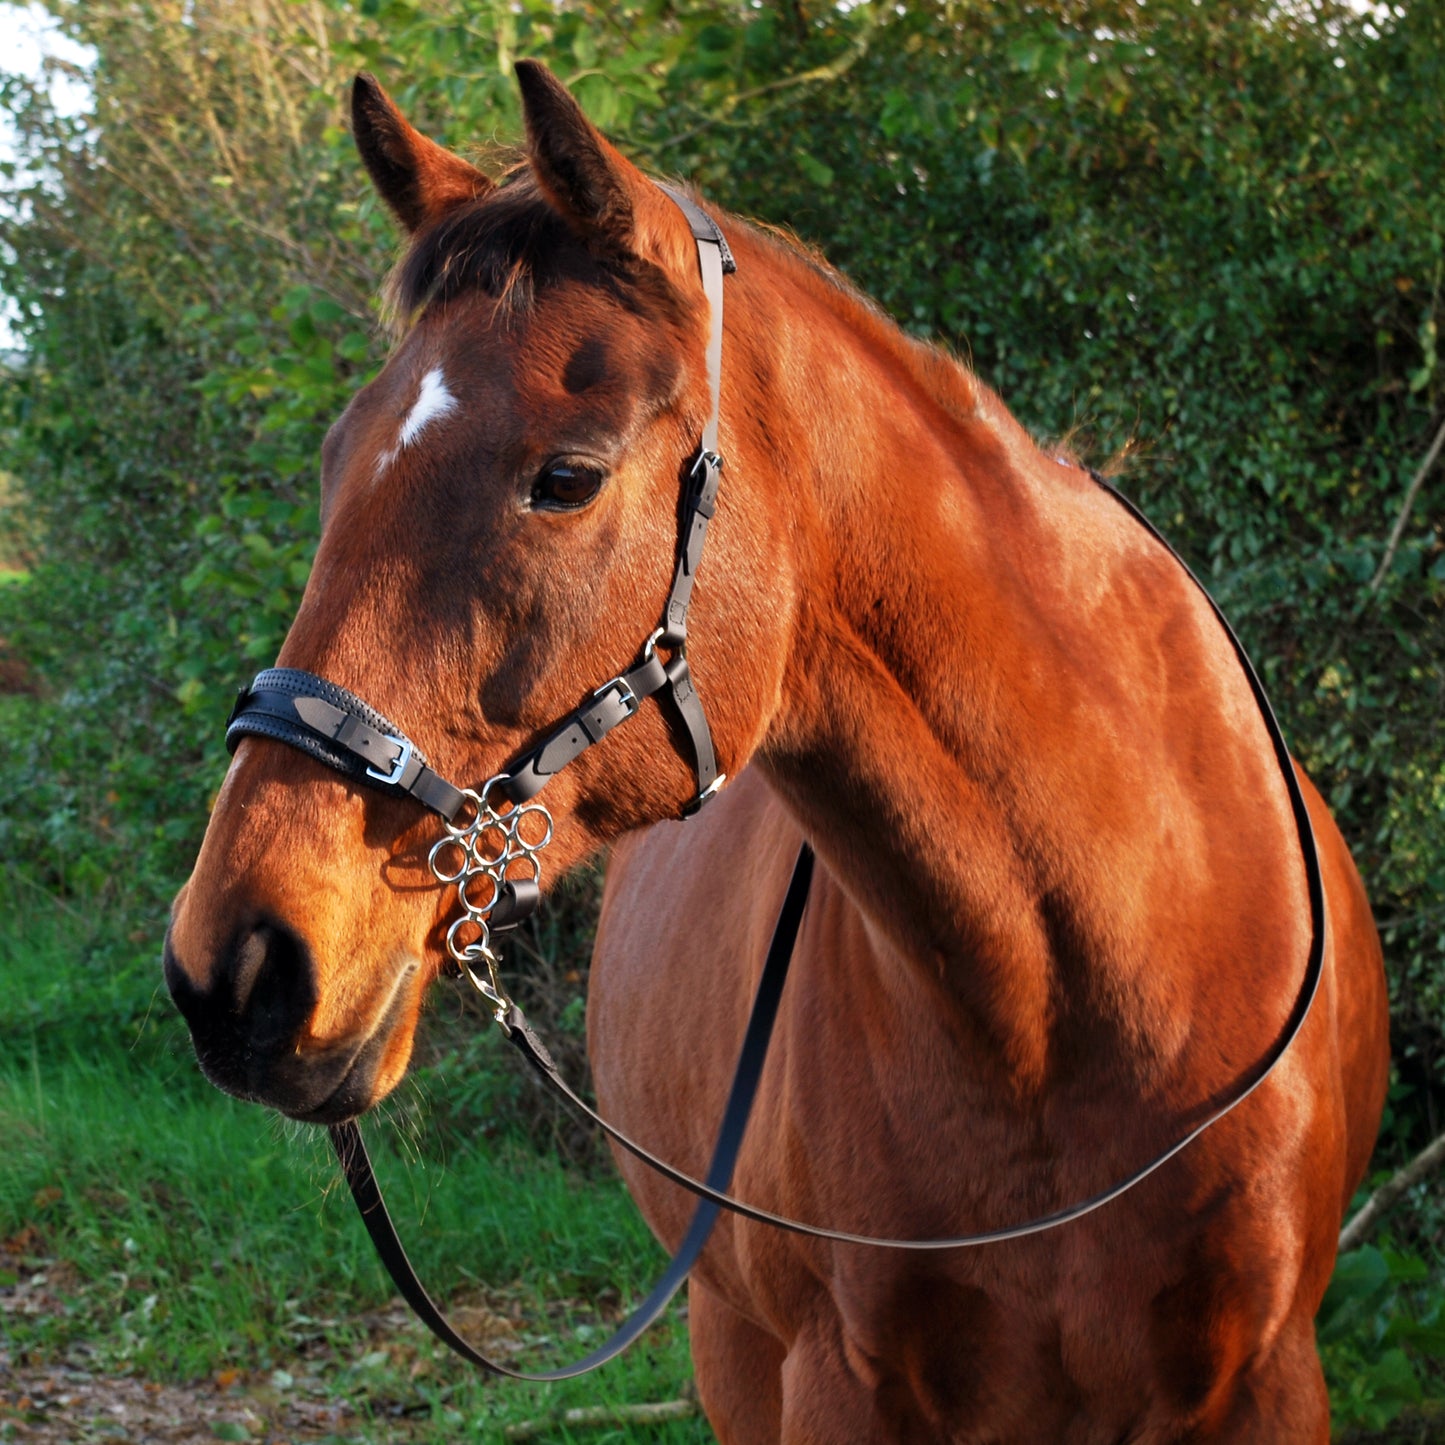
(1060, 909)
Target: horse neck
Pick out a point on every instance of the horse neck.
(1009, 719)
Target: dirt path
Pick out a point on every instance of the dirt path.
(72, 1394)
(74, 1398)
(67, 1404)
(373, 1379)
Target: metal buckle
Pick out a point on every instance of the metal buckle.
(706, 458)
(706, 796)
(398, 767)
(626, 696)
(704, 478)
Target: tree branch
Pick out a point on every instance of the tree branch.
(832, 70)
(1388, 1194)
(1398, 531)
(598, 1415)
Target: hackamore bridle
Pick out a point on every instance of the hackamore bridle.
(494, 835)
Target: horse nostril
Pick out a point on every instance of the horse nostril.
(260, 993)
(272, 988)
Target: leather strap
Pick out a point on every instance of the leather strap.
(336, 727)
(673, 684)
(1309, 987)
(356, 1165)
(716, 261)
(612, 703)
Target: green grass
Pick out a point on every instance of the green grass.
(184, 1234)
(69, 978)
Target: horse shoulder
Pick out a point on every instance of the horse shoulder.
(687, 914)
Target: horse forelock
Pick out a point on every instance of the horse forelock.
(511, 244)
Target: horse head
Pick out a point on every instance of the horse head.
(500, 515)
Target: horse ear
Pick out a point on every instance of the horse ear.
(607, 200)
(420, 180)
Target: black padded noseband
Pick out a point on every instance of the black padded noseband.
(334, 726)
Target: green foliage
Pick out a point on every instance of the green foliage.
(1207, 238)
(1375, 1307)
(44, 936)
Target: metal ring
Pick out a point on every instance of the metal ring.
(458, 830)
(533, 866)
(528, 810)
(459, 950)
(485, 796)
(478, 911)
(448, 877)
(475, 846)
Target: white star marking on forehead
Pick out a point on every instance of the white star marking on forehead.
(433, 400)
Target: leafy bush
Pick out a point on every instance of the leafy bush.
(1377, 1305)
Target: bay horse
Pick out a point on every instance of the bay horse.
(1059, 909)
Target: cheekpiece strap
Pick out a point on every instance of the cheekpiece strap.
(617, 700)
(715, 258)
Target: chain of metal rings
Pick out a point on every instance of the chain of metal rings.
(479, 856)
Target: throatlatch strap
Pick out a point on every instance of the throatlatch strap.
(356, 1165)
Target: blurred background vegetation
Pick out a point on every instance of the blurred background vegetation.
(1206, 238)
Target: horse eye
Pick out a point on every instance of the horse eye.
(565, 486)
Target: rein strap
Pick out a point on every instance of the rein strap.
(356, 1166)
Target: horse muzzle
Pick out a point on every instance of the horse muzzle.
(251, 1028)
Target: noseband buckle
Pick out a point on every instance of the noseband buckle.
(626, 698)
(399, 767)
